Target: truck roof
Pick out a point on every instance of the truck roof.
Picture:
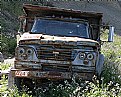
(35, 10)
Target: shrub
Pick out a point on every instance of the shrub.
(8, 45)
(80, 89)
(112, 63)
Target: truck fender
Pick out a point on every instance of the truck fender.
(99, 66)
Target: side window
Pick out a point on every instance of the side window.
(25, 25)
(22, 26)
(28, 24)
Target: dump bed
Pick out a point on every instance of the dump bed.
(33, 10)
(94, 19)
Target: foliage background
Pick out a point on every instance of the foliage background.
(9, 22)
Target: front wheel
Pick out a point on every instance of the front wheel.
(17, 83)
(24, 84)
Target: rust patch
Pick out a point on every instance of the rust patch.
(41, 74)
(51, 75)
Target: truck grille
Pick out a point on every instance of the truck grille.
(55, 52)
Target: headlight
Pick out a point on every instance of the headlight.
(29, 51)
(90, 56)
(24, 53)
(21, 51)
(82, 55)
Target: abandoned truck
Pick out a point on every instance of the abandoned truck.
(57, 44)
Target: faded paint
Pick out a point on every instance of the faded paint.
(70, 43)
(51, 39)
(51, 75)
(28, 36)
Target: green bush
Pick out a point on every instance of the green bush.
(8, 45)
(112, 63)
(111, 69)
(78, 88)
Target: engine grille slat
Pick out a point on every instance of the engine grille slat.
(54, 52)
(66, 51)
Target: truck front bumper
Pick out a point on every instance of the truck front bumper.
(37, 74)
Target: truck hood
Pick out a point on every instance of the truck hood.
(76, 40)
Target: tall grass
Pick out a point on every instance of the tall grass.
(112, 65)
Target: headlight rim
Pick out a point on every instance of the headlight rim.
(28, 50)
(80, 56)
(88, 56)
(21, 49)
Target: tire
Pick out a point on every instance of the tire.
(24, 84)
(17, 83)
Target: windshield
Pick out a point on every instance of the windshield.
(60, 28)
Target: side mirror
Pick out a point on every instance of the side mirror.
(111, 34)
